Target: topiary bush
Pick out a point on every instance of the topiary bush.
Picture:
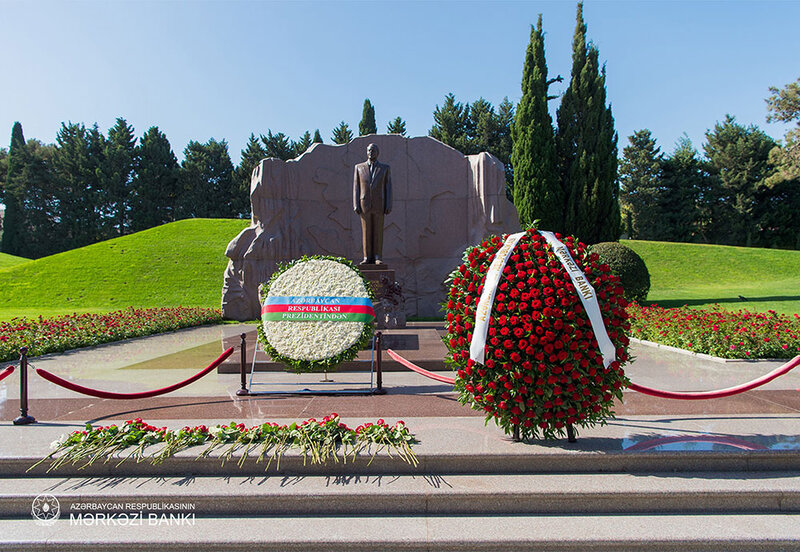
(628, 265)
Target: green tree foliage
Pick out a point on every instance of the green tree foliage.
(155, 184)
(207, 183)
(317, 137)
(342, 134)
(738, 157)
(451, 124)
(303, 144)
(537, 191)
(784, 106)
(586, 147)
(688, 196)
(251, 156)
(278, 145)
(367, 124)
(116, 178)
(397, 126)
(13, 241)
(475, 128)
(641, 192)
(77, 162)
(41, 210)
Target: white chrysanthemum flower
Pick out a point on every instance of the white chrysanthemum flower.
(315, 340)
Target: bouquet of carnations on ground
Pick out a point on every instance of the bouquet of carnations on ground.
(317, 313)
(317, 440)
(529, 347)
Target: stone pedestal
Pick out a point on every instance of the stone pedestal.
(389, 301)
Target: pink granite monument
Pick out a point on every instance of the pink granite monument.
(442, 202)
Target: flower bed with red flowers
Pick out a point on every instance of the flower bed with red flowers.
(741, 334)
(543, 368)
(53, 335)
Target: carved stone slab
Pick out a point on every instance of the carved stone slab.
(443, 202)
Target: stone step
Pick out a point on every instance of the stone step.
(416, 495)
(515, 461)
(647, 532)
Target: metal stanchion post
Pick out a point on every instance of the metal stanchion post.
(515, 434)
(571, 434)
(23, 418)
(379, 390)
(243, 367)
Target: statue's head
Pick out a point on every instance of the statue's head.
(372, 152)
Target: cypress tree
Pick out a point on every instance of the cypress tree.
(317, 137)
(367, 124)
(14, 189)
(397, 126)
(342, 134)
(586, 147)
(537, 191)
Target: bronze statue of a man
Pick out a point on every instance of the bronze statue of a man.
(372, 199)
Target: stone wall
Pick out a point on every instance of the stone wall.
(443, 201)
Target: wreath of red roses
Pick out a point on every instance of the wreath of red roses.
(543, 369)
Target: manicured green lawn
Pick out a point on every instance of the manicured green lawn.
(181, 263)
(701, 275)
(7, 261)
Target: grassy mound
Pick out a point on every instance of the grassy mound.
(702, 275)
(7, 260)
(181, 263)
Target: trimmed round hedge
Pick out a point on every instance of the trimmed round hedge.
(628, 265)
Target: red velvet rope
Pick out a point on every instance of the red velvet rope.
(422, 371)
(719, 393)
(685, 396)
(127, 396)
(7, 372)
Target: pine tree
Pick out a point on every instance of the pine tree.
(40, 207)
(13, 241)
(317, 137)
(303, 144)
(278, 145)
(155, 185)
(251, 156)
(641, 185)
(397, 126)
(206, 182)
(451, 123)
(119, 166)
(342, 134)
(77, 161)
(738, 157)
(537, 191)
(586, 147)
(367, 124)
(687, 197)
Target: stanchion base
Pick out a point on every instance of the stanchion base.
(242, 393)
(379, 391)
(24, 420)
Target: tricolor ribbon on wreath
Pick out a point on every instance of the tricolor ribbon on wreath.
(316, 308)
(583, 288)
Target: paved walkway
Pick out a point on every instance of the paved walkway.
(153, 362)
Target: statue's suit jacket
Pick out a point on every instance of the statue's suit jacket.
(372, 195)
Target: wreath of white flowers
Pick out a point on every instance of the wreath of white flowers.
(315, 345)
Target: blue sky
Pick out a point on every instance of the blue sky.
(225, 69)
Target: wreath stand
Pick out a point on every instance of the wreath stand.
(315, 388)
